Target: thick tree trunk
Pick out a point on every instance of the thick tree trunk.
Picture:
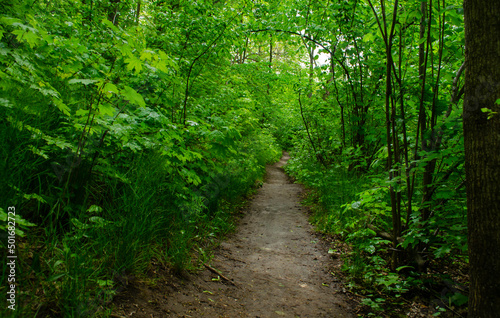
(482, 154)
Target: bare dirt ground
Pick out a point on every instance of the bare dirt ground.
(276, 266)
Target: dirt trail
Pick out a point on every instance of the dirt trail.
(275, 261)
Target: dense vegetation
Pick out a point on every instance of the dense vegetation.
(384, 147)
(131, 129)
(126, 139)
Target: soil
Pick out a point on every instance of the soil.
(273, 266)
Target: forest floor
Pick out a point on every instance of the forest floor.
(273, 266)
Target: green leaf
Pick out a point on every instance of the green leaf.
(110, 88)
(38, 152)
(105, 283)
(147, 55)
(132, 96)
(106, 110)
(94, 209)
(490, 113)
(31, 38)
(132, 145)
(167, 60)
(26, 34)
(55, 277)
(403, 267)
(442, 251)
(370, 249)
(459, 299)
(5, 103)
(20, 222)
(82, 81)
(61, 106)
(134, 63)
(9, 20)
(368, 37)
(79, 225)
(34, 196)
(45, 91)
(82, 112)
(109, 24)
(99, 222)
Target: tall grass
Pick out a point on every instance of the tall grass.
(95, 230)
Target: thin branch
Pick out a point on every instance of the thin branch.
(384, 35)
(296, 33)
(318, 156)
(186, 95)
(213, 270)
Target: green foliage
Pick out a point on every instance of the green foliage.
(383, 151)
(122, 142)
(17, 220)
(130, 136)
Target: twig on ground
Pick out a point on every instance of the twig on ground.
(213, 270)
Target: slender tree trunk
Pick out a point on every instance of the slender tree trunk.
(310, 52)
(388, 36)
(244, 52)
(138, 12)
(270, 61)
(308, 133)
(404, 129)
(113, 11)
(428, 136)
(342, 124)
(360, 107)
(388, 92)
(422, 66)
(482, 154)
(424, 49)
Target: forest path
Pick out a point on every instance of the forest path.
(278, 266)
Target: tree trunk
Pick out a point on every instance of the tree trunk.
(482, 154)
(270, 62)
(342, 124)
(138, 12)
(113, 13)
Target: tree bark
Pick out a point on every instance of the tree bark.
(270, 62)
(138, 12)
(482, 154)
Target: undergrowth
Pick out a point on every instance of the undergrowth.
(74, 269)
(113, 155)
(355, 209)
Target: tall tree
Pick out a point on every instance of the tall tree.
(482, 156)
